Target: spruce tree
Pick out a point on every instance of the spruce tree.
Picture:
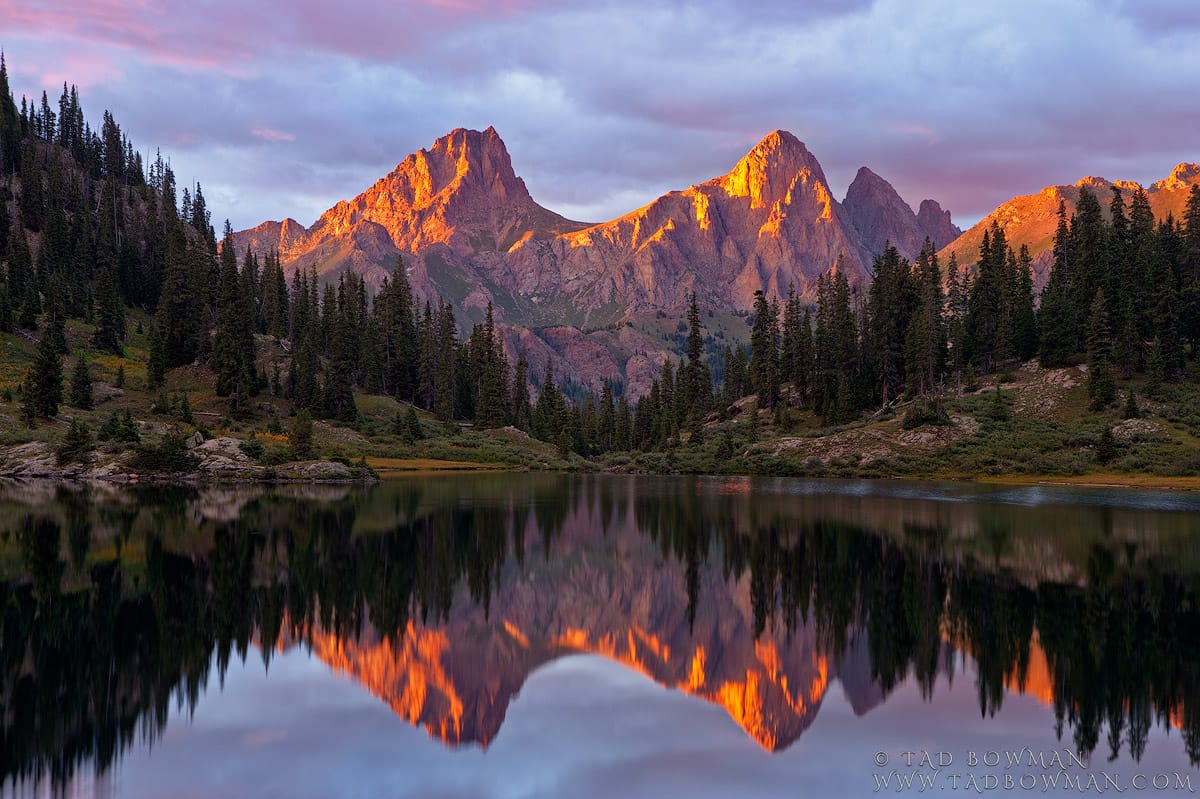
(764, 359)
(697, 381)
(81, 384)
(1101, 386)
(300, 435)
(232, 363)
(110, 314)
(1057, 317)
(519, 405)
(44, 380)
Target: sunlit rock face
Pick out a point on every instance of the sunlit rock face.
(1031, 219)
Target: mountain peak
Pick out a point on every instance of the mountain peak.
(766, 173)
(1183, 176)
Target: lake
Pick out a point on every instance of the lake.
(544, 635)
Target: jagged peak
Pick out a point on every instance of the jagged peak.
(1093, 182)
(766, 172)
(867, 183)
(1183, 176)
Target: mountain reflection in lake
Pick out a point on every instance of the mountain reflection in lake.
(135, 617)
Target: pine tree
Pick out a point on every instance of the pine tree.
(623, 426)
(1057, 318)
(77, 443)
(519, 404)
(1102, 387)
(1189, 268)
(1025, 331)
(300, 435)
(44, 380)
(890, 306)
(764, 359)
(925, 353)
(81, 384)
(490, 368)
(697, 380)
(230, 358)
(110, 314)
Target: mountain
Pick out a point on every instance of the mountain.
(1031, 219)
(469, 232)
(457, 200)
(614, 596)
(881, 217)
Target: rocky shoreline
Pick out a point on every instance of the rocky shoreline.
(221, 460)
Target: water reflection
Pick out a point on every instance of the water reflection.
(441, 597)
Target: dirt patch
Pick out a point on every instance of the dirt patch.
(1042, 392)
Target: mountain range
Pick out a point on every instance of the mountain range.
(585, 297)
(470, 232)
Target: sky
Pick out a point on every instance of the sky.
(282, 108)
(582, 726)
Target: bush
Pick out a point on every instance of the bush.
(253, 448)
(119, 426)
(170, 456)
(77, 445)
(928, 410)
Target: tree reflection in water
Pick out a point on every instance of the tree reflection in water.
(441, 596)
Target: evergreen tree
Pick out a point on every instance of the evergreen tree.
(1101, 386)
(81, 384)
(110, 314)
(519, 404)
(623, 426)
(764, 360)
(44, 381)
(1189, 270)
(1024, 318)
(300, 435)
(1057, 318)
(77, 443)
(697, 380)
(890, 305)
(234, 374)
(490, 366)
(338, 394)
(925, 353)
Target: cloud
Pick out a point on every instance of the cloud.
(272, 135)
(604, 106)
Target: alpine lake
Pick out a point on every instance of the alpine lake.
(510, 635)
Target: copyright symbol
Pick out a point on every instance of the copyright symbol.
(881, 758)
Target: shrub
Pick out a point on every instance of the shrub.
(928, 410)
(253, 448)
(170, 456)
(119, 426)
(300, 435)
(77, 444)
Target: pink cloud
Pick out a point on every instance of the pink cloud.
(272, 135)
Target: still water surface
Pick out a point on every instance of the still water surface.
(592, 636)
